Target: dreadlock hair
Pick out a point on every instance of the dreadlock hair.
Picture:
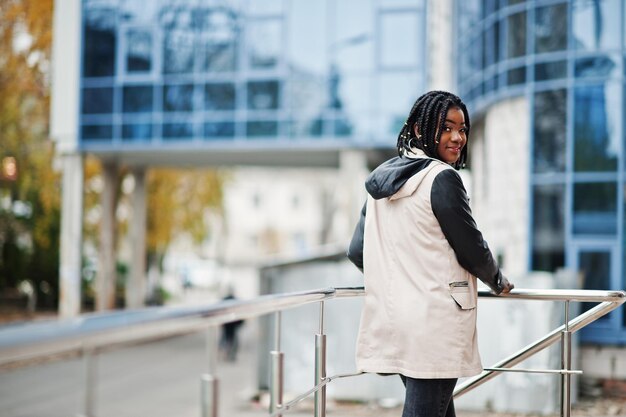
(429, 114)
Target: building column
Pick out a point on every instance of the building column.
(71, 234)
(106, 274)
(136, 283)
(353, 172)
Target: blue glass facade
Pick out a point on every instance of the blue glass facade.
(227, 73)
(567, 59)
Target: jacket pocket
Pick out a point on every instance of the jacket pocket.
(460, 292)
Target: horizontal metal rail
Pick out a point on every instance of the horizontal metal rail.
(98, 330)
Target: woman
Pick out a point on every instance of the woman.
(421, 252)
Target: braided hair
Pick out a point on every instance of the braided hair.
(429, 114)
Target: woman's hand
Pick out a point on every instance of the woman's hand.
(506, 285)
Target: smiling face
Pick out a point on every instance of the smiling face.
(453, 137)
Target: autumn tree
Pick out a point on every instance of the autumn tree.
(29, 187)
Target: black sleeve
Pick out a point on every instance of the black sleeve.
(450, 205)
(355, 250)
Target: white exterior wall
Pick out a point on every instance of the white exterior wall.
(499, 158)
(287, 217)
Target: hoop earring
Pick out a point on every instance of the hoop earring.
(410, 144)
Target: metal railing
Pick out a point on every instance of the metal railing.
(90, 334)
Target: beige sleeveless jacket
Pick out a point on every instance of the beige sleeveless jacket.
(419, 316)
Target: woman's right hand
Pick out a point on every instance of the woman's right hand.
(506, 285)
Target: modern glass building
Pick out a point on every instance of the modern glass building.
(206, 74)
(566, 61)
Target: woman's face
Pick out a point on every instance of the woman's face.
(453, 137)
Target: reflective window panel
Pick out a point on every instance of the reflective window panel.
(99, 41)
(549, 130)
(353, 24)
(219, 96)
(262, 128)
(603, 66)
(516, 35)
(137, 99)
(550, 70)
(178, 38)
(595, 269)
(308, 53)
(138, 50)
(96, 132)
(596, 144)
(264, 43)
(178, 98)
(263, 95)
(516, 76)
(97, 100)
(219, 130)
(551, 28)
(177, 130)
(137, 131)
(548, 244)
(218, 39)
(596, 24)
(399, 43)
(595, 208)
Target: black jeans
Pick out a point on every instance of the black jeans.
(428, 397)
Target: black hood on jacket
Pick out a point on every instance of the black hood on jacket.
(391, 175)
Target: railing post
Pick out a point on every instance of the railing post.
(320, 367)
(566, 364)
(209, 383)
(276, 379)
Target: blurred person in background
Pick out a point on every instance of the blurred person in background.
(421, 252)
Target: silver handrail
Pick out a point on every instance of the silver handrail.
(92, 332)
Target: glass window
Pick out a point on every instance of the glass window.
(489, 6)
(176, 130)
(511, 2)
(355, 105)
(138, 51)
(491, 45)
(266, 7)
(99, 41)
(516, 35)
(137, 131)
(549, 130)
(219, 37)
(308, 99)
(551, 28)
(353, 23)
(306, 51)
(595, 127)
(137, 99)
(264, 43)
(219, 130)
(97, 100)
(595, 208)
(550, 70)
(516, 76)
(263, 95)
(262, 128)
(548, 252)
(178, 98)
(178, 38)
(395, 101)
(400, 43)
(595, 268)
(596, 24)
(597, 66)
(97, 132)
(219, 96)
(469, 13)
